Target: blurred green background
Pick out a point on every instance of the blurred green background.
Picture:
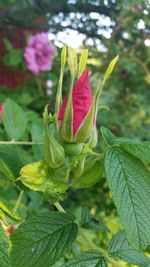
(106, 28)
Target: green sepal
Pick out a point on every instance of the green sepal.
(78, 168)
(94, 138)
(83, 61)
(38, 176)
(8, 216)
(72, 61)
(66, 127)
(111, 67)
(86, 128)
(93, 171)
(58, 101)
(53, 152)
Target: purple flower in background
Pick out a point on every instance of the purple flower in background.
(39, 54)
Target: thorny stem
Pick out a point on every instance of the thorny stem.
(89, 241)
(18, 200)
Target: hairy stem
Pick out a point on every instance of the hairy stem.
(89, 241)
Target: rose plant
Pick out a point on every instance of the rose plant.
(70, 162)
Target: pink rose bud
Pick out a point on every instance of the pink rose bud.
(1, 110)
(81, 106)
(39, 54)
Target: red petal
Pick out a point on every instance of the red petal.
(82, 100)
(62, 110)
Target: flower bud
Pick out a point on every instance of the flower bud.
(53, 151)
(80, 115)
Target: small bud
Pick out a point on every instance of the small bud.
(53, 151)
(72, 149)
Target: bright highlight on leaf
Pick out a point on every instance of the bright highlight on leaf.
(111, 67)
(8, 216)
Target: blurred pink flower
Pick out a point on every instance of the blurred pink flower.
(39, 53)
(1, 110)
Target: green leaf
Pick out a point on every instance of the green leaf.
(89, 222)
(8, 216)
(120, 248)
(10, 161)
(87, 259)
(82, 62)
(108, 136)
(14, 119)
(42, 239)
(129, 181)
(37, 133)
(8, 45)
(140, 150)
(38, 176)
(4, 254)
(110, 67)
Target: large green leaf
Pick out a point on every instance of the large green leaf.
(42, 240)
(87, 259)
(129, 182)
(121, 249)
(14, 119)
(140, 150)
(4, 255)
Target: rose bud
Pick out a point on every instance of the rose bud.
(81, 114)
(53, 151)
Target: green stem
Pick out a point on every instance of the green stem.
(89, 241)
(20, 143)
(18, 200)
(59, 207)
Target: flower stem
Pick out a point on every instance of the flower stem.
(89, 241)
(59, 207)
(12, 142)
(18, 200)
